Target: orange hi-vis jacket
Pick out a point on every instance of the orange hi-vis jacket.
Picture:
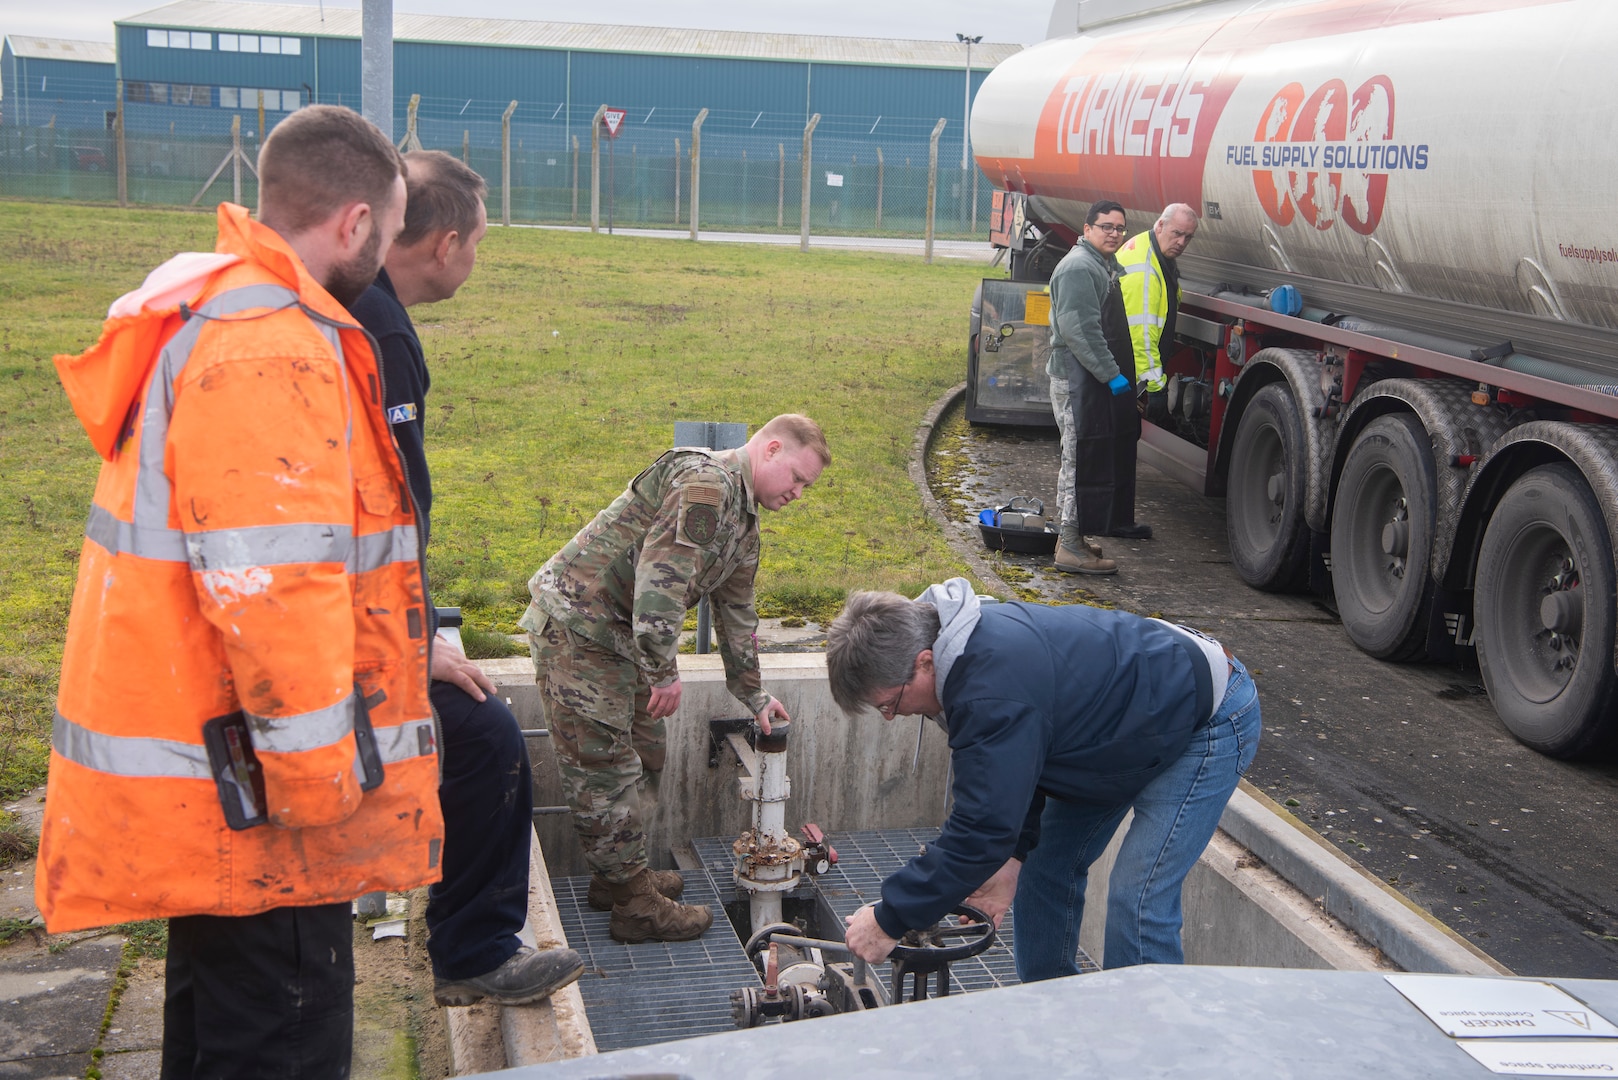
(251, 547)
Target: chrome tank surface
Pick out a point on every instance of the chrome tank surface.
(1453, 149)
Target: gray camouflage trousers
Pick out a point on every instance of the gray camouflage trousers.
(1062, 405)
(609, 752)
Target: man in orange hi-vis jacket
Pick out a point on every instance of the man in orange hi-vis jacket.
(247, 652)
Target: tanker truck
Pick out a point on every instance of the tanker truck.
(1396, 356)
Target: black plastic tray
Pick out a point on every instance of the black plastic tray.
(1020, 541)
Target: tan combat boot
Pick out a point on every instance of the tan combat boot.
(1071, 562)
(641, 913)
(667, 882)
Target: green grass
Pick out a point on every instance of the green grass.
(558, 373)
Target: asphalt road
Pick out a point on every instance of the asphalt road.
(1403, 766)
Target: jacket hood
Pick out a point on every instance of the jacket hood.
(105, 382)
(958, 610)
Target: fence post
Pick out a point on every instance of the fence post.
(879, 168)
(236, 156)
(975, 171)
(505, 164)
(781, 189)
(575, 216)
(261, 121)
(803, 217)
(123, 160)
(466, 146)
(411, 140)
(696, 171)
(932, 186)
(595, 169)
(677, 181)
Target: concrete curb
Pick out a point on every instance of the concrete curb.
(1406, 934)
(961, 539)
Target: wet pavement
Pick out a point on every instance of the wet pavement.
(1404, 767)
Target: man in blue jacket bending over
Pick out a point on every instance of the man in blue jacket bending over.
(1060, 720)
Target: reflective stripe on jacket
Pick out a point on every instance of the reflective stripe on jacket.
(252, 547)
(1146, 299)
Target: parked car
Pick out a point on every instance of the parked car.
(88, 158)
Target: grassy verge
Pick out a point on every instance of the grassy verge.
(558, 373)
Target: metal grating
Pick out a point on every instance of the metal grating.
(659, 991)
(636, 995)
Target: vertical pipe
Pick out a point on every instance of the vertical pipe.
(376, 66)
(803, 217)
(505, 164)
(123, 158)
(696, 171)
(595, 169)
(781, 189)
(575, 216)
(677, 163)
(932, 185)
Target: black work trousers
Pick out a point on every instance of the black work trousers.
(260, 997)
(487, 796)
(1106, 427)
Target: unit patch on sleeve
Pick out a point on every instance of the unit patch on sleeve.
(699, 513)
(402, 414)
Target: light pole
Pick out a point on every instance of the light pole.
(966, 100)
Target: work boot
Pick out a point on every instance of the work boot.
(667, 882)
(1073, 540)
(641, 913)
(1091, 562)
(528, 975)
(1132, 531)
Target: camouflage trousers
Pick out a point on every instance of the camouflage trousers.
(609, 752)
(1061, 406)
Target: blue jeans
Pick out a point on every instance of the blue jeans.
(1175, 817)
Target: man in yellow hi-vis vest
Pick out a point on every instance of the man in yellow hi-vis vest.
(1151, 287)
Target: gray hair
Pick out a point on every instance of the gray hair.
(872, 645)
(1174, 210)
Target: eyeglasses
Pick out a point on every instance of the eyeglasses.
(890, 709)
(1116, 230)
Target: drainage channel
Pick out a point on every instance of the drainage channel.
(658, 992)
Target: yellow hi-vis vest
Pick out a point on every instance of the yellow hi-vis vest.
(1146, 299)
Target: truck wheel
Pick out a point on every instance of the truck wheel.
(1382, 538)
(1545, 614)
(1269, 541)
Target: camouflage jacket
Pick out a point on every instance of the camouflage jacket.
(685, 528)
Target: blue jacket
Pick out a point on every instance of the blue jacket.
(1071, 702)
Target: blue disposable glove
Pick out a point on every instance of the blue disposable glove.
(1118, 385)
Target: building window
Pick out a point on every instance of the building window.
(249, 42)
(229, 96)
(227, 43)
(291, 46)
(180, 39)
(267, 44)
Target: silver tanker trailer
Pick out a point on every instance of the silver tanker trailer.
(1425, 422)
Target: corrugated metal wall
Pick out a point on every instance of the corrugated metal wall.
(77, 94)
(754, 105)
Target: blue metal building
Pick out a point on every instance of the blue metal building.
(72, 82)
(194, 64)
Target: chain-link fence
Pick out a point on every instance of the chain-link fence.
(867, 175)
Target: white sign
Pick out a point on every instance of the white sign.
(612, 120)
(834, 179)
(1529, 1058)
(1494, 1008)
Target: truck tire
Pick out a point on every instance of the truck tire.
(1545, 614)
(1265, 491)
(1382, 538)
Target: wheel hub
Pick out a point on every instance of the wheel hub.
(1562, 612)
(1277, 488)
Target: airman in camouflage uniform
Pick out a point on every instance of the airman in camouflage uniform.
(604, 629)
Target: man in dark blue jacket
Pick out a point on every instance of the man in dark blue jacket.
(475, 912)
(1061, 720)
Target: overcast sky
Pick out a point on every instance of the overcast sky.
(1021, 21)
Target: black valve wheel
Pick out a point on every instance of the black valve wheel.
(922, 949)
